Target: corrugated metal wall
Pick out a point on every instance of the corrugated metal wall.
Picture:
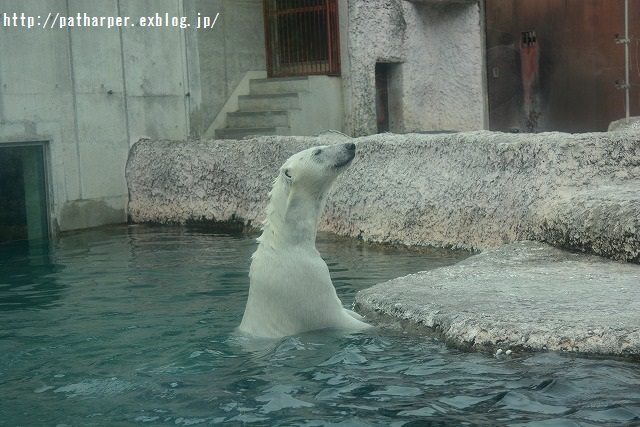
(553, 64)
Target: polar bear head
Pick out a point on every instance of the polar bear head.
(300, 190)
(314, 170)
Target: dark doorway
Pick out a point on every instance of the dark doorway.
(23, 200)
(382, 97)
(302, 37)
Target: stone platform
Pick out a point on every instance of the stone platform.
(522, 296)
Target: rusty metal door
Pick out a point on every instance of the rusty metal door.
(302, 37)
(552, 65)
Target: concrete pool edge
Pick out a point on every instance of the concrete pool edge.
(525, 296)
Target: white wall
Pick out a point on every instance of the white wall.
(92, 92)
(438, 80)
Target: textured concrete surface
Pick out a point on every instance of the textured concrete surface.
(475, 190)
(435, 75)
(632, 124)
(522, 296)
(210, 181)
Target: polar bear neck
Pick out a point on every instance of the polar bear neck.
(293, 216)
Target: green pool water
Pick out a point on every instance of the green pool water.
(135, 326)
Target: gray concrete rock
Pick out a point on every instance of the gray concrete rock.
(475, 190)
(521, 296)
(623, 124)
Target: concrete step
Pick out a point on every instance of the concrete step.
(248, 119)
(278, 85)
(265, 110)
(275, 101)
(239, 133)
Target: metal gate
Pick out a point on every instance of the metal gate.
(302, 37)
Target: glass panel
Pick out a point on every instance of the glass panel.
(23, 199)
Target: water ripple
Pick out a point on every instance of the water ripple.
(136, 325)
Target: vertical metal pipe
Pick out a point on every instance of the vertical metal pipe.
(308, 29)
(284, 34)
(626, 59)
(307, 36)
(313, 22)
(295, 37)
(304, 54)
(329, 35)
(319, 29)
(267, 35)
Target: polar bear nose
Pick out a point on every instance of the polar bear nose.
(351, 146)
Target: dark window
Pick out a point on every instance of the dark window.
(23, 201)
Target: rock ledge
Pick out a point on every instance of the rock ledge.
(526, 296)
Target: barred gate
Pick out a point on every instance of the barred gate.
(302, 37)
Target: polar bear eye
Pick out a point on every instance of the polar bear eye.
(286, 173)
(317, 152)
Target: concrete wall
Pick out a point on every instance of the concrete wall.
(320, 107)
(473, 190)
(91, 91)
(220, 59)
(437, 82)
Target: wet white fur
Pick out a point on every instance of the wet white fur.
(290, 287)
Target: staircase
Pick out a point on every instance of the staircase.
(267, 110)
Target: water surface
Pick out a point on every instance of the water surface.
(135, 326)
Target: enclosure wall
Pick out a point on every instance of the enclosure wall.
(90, 91)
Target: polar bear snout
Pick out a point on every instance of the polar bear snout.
(346, 155)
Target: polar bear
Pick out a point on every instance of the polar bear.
(290, 288)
